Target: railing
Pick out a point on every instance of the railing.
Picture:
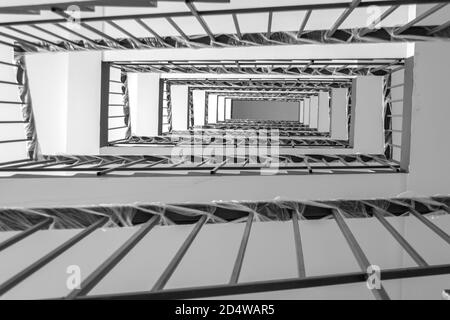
(14, 116)
(115, 124)
(149, 216)
(262, 125)
(238, 133)
(102, 40)
(167, 165)
(166, 120)
(231, 138)
(393, 112)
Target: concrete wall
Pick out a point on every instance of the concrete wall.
(179, 99)
(143, 91)
(324, 112)
(221, 108)
(78, 191)
(302, 111)
(265, 110)
(67, 103)
(227, 108)
(339, 121)
(198, 97)
(334, 51)
(49, 99)
(314, 112)
(83, 103)
(212, 108)
(366, 130)
(429, 151)
(306, 111)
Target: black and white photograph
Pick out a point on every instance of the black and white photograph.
(234, 158)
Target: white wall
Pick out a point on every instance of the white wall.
(83, 103)
(79, 191)
(334, 51)
(339, 121)
(221, 108)
(179, 99)
(302, 111)
(306, 111)
(198, 97)
(212, 108)
(367, 119)
(265, 110)
(227, 108)
(143, 91)
(314, 112)
(66, 102)
(430, 152)
(324, 112)
(48, 74)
